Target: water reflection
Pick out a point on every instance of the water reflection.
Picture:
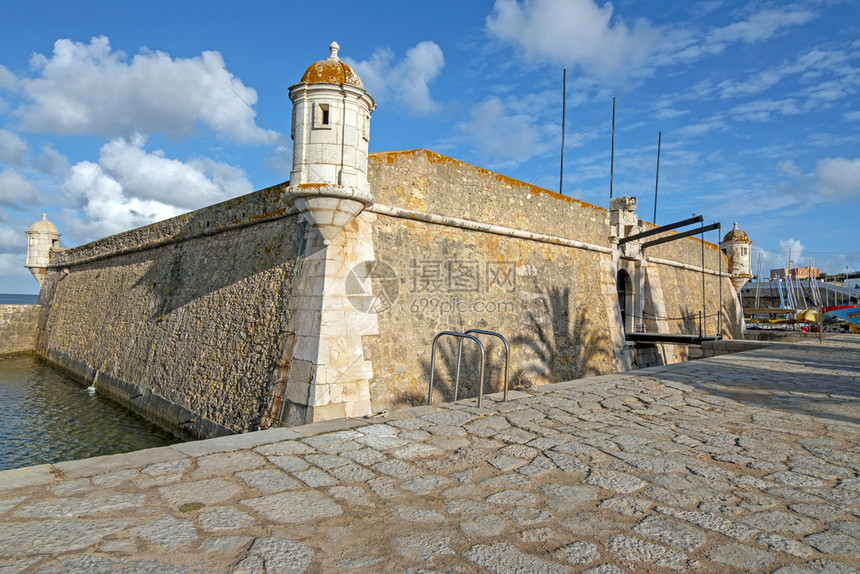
(46, 417)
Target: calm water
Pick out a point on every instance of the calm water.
(46, 417)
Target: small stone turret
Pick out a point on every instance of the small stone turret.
(41, 237)
(623, 222)
(330, 132)
(736, 246)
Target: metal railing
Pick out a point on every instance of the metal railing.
(460, 338)
(507, 354)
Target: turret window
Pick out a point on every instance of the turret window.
(322, 117)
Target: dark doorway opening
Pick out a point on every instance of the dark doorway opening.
(625, 290)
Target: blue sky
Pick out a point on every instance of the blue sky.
(117, 114)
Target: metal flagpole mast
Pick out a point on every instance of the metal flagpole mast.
(563, 110)
(657, 180)
(612, 153)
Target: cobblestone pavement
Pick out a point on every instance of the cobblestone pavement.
(744, 462)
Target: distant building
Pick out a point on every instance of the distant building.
(795, 273)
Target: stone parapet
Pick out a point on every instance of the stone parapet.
(251, 209)
(425, 181)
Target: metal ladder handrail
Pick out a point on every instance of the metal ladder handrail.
(460, 336)
(507, 355)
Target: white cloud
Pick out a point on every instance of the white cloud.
(131, 187)
(669, 113)
(816, 62)
(791, 168)
(16, 191)
(792, 250)
(12, 148)
(89, 88)
(12, 239)
(7, 78)
(9, 238)
(765, 110)
(504, 136)
(169, 181)
(762, 82)
(778, 259)
(12, 264)
(7, 82)
(407, 81)
(574, 33)
(106, 208)
(809, 66)
(838, 178)
(51, 162)
(686, 44)
(825, 93)
(703, 127)
(760, 27)
(280, 160)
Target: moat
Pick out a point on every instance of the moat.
(45, 417)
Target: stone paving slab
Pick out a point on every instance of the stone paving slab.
(737, 463)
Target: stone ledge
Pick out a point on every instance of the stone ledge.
(97, 465)
(27, 476)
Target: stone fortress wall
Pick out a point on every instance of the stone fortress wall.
(320, 298)
(18, 325)
(194, 321)
(550, 288)
(180, 320)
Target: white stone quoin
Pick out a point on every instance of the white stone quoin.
(41, 237)
(329, 188)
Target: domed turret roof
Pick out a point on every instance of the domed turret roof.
(43, 226)
(331, 71)
(736, 235)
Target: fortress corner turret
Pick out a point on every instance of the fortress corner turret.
(330, 129)
(41, 237)
(736, 246)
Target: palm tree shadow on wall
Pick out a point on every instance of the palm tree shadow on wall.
(557, 344)
(563, 344)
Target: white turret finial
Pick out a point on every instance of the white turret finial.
(334, 48)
